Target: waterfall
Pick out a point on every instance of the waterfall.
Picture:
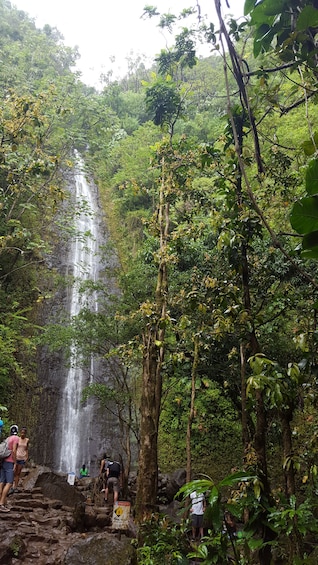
(76, 419)
(68, 432)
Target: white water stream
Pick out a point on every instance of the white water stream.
(76, 424)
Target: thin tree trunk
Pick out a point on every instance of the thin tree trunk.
(191, 411)
(289, 471)
(245, 433)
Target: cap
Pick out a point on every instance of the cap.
(14, 430)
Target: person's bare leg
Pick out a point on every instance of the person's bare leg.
(4, 494)
(17, 474)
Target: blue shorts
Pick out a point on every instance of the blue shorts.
(20, 462)
(6, 472)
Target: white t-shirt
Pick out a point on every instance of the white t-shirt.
(197, 503)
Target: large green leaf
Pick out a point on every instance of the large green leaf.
(308, 147)
(308, 17)
(273, 7)
(312, 177)
(263, 37)
(310, 254)
(310, 240)
(248, 6)
(304, 215)
(260, 16)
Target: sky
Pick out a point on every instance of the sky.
(108, 32)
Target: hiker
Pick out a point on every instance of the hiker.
(22, 457)
(113, 473)
(103, 471)
(197, 511)
(83, 471)
(7, 468)
(1, 426)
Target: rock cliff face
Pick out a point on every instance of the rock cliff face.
(98, 431)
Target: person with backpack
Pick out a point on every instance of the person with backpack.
(113, 473)
(7, 467)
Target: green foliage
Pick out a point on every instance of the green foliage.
(163, 102)
(162, 541)
(304, 215)
(292, 27)
(215, 426)
(37, 126)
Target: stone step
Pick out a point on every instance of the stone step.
(32, 503)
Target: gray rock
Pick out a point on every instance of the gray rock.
(56, 487)
(101, 549)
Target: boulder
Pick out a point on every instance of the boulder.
(101, 549)
(169, 484)
(54, 486)
(30, 479)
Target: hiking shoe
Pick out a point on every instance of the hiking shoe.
(103, 490)
(16, 490)
(4, 508)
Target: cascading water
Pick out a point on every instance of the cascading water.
(77, 419)
(68, 433)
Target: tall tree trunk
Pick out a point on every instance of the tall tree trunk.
(191, 411)
(153, 356)
(251, 348)
(265, 553)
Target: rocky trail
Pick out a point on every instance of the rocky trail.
(51, 522)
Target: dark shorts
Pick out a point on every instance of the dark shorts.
(20, 462)
(197, 520)
(6, 472)
(113, 482)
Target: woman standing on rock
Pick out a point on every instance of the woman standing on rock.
(22, 457)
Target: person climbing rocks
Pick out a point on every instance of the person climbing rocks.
(7, 468)
(103, 472)
(22, 457)
(83, 471)
(113, 473)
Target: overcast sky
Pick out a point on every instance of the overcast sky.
(106, 32)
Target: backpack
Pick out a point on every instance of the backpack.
(4, 451)
(114, 469)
